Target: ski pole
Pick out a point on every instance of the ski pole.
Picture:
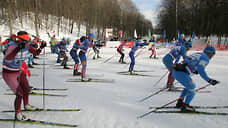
(160, 79)
(109, 58)
(44, 79)
(153, 94)
(163, 106)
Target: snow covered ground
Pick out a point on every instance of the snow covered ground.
(115, 105)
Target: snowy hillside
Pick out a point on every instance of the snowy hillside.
(115, 104)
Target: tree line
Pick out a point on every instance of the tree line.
(93, 14)
(204, 17)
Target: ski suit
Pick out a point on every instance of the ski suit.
(168, 59)
(12, 72)
(132, 54)
(180, 41)
(61, 52)
(152, 47)
(97, 46)
(194, 63)
(120, 50)
(82, 55)
(35, 45)
(74, 54)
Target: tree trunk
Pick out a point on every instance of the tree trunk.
(21, 19)
(47, 17)
(72, 27)
(79, 28)
(10, 17)
(58, 24)
(219, 39)
(36, 17)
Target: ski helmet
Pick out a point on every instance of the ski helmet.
(82, 38)
(188, 44)
(68, 39)
(182, 36)
(91, 35)
(209, 50)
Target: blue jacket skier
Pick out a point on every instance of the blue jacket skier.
(175, 54)
(195, 63)
(61, 50)
(181, 40)
(132, 53)
(74, 55)
(82, 54)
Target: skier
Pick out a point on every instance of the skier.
(132, 53)
(61, 51)
(52, 42)
(120, 50)
(82, 54)
(97, 46)
(168, 59)
(181, 40)
(13, 74)
(34, 44)
(74, 55)
(195, 63)
(152, 47)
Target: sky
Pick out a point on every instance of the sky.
(149, 8)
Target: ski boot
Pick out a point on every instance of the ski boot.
(35, 57)
(180, 103)
(65, 67)
(30, 66)
(21, 117)
(120, 60)
(58, 61)
(30, 107)
(187, 108)
(130, 71)
(171, 87)
(76, 73)
(34, 63)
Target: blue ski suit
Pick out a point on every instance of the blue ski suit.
(82, 55)
(74, 50)
(195, 63)
(60, 48)
(132, 53)
(168, 59)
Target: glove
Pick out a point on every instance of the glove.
(21, 45)
(43, 44)
(213, 82)
(196, 72)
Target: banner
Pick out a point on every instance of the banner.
(193, 35)
(149, 34)
(135, 34)
(120, 35)
(164, 34)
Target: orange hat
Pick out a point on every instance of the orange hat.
(24, 37)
